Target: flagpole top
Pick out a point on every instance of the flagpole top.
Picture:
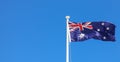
(67, 17)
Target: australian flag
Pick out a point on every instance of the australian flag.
(104, 31)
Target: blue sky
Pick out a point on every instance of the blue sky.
(34, 30)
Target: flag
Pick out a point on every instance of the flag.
(104, 31)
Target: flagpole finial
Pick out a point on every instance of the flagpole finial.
(67, 17)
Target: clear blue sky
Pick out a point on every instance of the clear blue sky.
(34, 30)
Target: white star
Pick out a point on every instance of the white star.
(97, 34)
(81, 35)
(102, 23)
(104, 37)
(98, 29)
(107, 28)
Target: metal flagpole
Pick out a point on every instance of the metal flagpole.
(67, 38)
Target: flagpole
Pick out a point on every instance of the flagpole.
(67, 38)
